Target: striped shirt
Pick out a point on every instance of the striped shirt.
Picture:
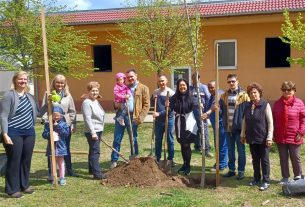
(23, 118)
(231, 107)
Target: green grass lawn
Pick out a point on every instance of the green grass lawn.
(83, 191)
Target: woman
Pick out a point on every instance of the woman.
(18, 111)
(185, 124)
(257, 131)
(289, 129)
(93, 114)
(60, 85)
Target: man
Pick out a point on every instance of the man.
(210, 113)
(138, 105)
(234, 100)
(205, 96)
(160, 115)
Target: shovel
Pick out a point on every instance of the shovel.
(108, 145)
(153, 129)
(132, 154)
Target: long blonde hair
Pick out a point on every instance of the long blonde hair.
(17, 75)
(66, 87)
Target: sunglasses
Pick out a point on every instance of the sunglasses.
(284, 90)
(231, 81)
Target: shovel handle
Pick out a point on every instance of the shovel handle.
(108, 145)
(166, 127)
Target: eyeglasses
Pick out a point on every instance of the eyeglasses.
(285, 89)
(231, 81)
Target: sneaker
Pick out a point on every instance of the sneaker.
(99, 177)
(50, 178)
(209, 155)
(240, 176)
(113, 165)
(182, 169)
(71, 173)
(62, 181)
(284, 181)
(187, 171)
(264, 186)
(29, 191)
(229, 174)
(254, 182)
(121, 121)
(297, 177)
(16, 195)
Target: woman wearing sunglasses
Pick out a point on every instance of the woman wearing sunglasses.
(289, 129)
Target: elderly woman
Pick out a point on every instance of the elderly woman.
(185, 123)
(18, 111)
(257, 131)
(93, 114)
(289, 129)
(60, 86)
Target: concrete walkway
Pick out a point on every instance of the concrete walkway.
(109, 118)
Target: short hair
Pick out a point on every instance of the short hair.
(255, 85)
(194, 75)
(289, 85)
(17, 75)
(60, 77)
(232, 75)
(131, 70)
(92, 84)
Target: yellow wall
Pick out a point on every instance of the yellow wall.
(249, 32)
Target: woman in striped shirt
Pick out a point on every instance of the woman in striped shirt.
(18, 111)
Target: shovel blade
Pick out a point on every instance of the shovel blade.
(166, 166)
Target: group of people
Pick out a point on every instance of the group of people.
(244, 117)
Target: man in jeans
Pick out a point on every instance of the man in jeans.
(138, 105)
(205, 96)
(160, 115)
(234, 100)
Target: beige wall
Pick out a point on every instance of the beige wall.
(249, 32)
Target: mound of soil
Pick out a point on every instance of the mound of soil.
(142, 172)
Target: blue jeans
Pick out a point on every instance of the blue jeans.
(94, 154)
(118, 136)
(159, 132)
(206, 132)
(232, 139)
(223, 147)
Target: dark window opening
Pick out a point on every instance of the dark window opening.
(102, 58)
(276, 53)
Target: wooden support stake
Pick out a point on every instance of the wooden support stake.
(217, 120)
(46, 67)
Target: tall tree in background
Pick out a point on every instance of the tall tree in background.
(21, 40)
(294, 34)
(156, 38)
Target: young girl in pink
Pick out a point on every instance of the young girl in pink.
(121, 94)
(60, 134)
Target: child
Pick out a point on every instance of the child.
(121, 93)
(61, 132)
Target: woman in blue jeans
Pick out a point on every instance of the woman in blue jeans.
(93, 114)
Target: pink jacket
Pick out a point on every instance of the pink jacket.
(296, 122)
(119, 92)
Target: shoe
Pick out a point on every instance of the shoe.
(254, 182)
(284, 181)
(229, 174)
(16, 195)
(264, 186)
(29, 191)
(71, 173)
(297, 177)
(240, 176)
(121, 121)
(182, 169)
(99, 177)
(62, 181)
(187, 171)
(50, 178)
(213, 169)
(209, 155)
(113, 165)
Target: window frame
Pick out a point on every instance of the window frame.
(173, 82)
(234, 67)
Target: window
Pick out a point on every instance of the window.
(276, 53)
(226, 54)
(102, 58)
(181, 72)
